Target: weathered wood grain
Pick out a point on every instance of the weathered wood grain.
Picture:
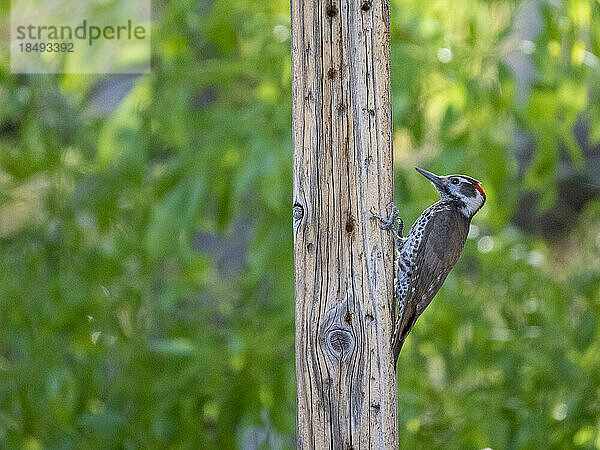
(346, 382)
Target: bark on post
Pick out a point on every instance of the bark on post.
(346, 382)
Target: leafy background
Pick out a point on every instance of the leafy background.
(146, 282)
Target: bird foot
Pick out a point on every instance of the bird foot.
(390, 224)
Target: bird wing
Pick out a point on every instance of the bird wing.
(443, 240)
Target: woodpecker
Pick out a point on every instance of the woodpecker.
(425, 257)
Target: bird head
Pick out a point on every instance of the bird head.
(466, 191)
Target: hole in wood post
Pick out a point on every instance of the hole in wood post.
(366, 5)
(332, 10)
(350, 224)
(331, 73)
(348, 318)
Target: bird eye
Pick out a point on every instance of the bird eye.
(454, 181)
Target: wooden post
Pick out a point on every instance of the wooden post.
(346, 381)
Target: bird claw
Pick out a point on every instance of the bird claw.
(388, 224)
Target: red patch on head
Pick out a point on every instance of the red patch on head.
(480, 189)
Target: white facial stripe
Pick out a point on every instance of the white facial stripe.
(472, 204)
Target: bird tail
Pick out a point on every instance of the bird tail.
(404, 327)
(397, 346)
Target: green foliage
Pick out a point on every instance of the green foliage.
(146, 282)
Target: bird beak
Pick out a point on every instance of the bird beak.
(437, 181)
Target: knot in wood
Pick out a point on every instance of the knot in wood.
(298, 211)
(366, 5)
(340, 343)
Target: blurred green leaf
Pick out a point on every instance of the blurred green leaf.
(175, 347)
(585, 332)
